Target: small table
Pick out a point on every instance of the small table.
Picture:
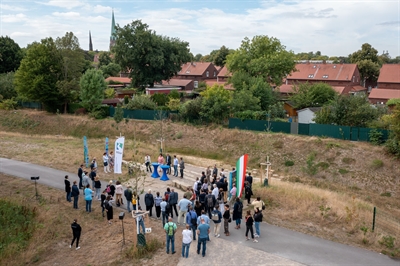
(164, 175)
(155, 172)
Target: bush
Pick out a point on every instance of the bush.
(375, 136)
(343, 171)
(376, 164)
(102, 112)
(119, 114)
(9, 104)
(73, 107)
(141, 102)
(387, 241)
(393, 146)
(178, 135)
(160, 99)
(323, 165)
(289, 163)
(347, 160)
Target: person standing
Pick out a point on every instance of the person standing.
(109, 209)
(249, 179)
(169, 162)
(103, 198)
(140, 220)
(97, 187)
(75, 194)
(210, 203)
(233, 195)
(257, 203)
(170, 229)
(128, 196)
(176, 163)
(111, 161)
(147, 162)
(173, 200)
(186, 240)
(149, 202)
(208, 172)
(215, 171)
(88, 198)
(237, 212)
(181, 166)
(76, 233)
(111, 188)
(157, 202)
(160, 159)
(85, 180)
(225, 190)
(227, 218)
(164, 212)
(247, 192)
(92, 176)
(183, 208)
(119, 190)
(67, 188)
(105, 163)
(202, 230)
(249, 226)
(191, 220)
(258, 216)
(80, 173)
(217, 218)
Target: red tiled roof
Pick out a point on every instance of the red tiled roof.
(338, 89)
(286, 88)
(390, 73)
(177, 82)
(212, 82)
(223, 73)
(110, 101)
(358, 88)
(324, 72)
(194, 68)
(384, 94)
(119, 79)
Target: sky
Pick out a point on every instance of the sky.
(336, 27)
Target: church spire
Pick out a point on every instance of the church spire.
(90, 42)
(112, 36)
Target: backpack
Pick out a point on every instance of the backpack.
(240, 207)
(106, 204)
(210, 202)
(193, 221)
(199, 184)
(108, 189)
(171, 230)
(215, 216)
(134, 201)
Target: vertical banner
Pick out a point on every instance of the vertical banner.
(119, 152)
(232, 180)
(106, 146)
(85, 152)
(241, 166)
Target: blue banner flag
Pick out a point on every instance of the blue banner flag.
(85, 151)
(106, 146)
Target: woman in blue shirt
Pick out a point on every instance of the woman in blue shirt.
(88, 198)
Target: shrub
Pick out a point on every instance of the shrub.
(375, 136)
(141, 102)
(73, 107)
(386, 194)
(376, 164)
(387, 241)
(393, 146)
(178, 135)
(289, 163)
(9, 104)
(126, 99)
(311, 168)
(160, 99)
(119, 114)
(323, 165)
(347, 160)
(343, 171)
(147, 251)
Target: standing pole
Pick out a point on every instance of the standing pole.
(373, 220)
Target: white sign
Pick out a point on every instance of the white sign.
(119, 152)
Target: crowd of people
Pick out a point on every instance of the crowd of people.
(208, 200)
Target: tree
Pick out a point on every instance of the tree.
(262, 57)
(197, 57)
(348, 110)
(73, 62)
(39, 72)
(104, 59)
(7, 88)
(215, 103)
(312, 95)
(368, 63)
(92, 89)
(10, 55)
(190, 110)
(244, 100)
(110, 70)
(218, 57)
(149, 57)
(141, 102)
(119, 114)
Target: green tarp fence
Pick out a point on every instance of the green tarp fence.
(142, 114)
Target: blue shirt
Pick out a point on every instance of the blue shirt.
(163, 204)
(205, 217)
(183, 204)
(88, 193)
(189, 216)
(203, 228)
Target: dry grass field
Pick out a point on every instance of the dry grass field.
(324, 187)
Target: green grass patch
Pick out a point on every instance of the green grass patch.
(343, 171)
(386, 194)
(197, 152)
(146, 252)
(331, 145)
(376, 164)
(323, 165)
(347, 160)
(289, 163)
(17, 226)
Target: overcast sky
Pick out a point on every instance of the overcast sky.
(337, 27)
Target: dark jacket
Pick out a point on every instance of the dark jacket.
(76, 229)
(80, 172)
(249, 179)
(213, 200)
(128, 194)
(202, 197)
(236, 213)
(258, 216)
(248, 192)
(168, 160)
(149, 199)
(225, 186)
(67, 185)
(92, 175)
(97, 184)
(249, 221)
(227, 214)
(75, 191)
(173, 198)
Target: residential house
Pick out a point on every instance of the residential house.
(162, 89)
(342, 77)
(307, 115)
(389, 77)
(381, 96)
(197, 71)
(122, 82)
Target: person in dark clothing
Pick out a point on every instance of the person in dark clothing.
(202, 199)
(225, 190)
(181, 166)
(112, 189)
(92, 176)
(227, 217)
(67, 188)
(80, 172)
(128, 196)
(249, 226)
(203, 176)
(215, 170)
(149, 202)
(76, 232)
(237, 212)
(169, 162)
(210, 203)
(198, 208)
(249, 179)
(109, 209)
(173, 200)
(103, 197)
(75, 194)
(247, 192)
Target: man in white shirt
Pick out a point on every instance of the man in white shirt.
(215, 191)
(183, 208)
(147, 162)
(232, 194)
(176, 162)
(186, 240)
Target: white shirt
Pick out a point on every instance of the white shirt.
(105, 158)
(176, 161)
(233, 191)
(215, 192)
(195, 185)
(187, 236)
(147, 159)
